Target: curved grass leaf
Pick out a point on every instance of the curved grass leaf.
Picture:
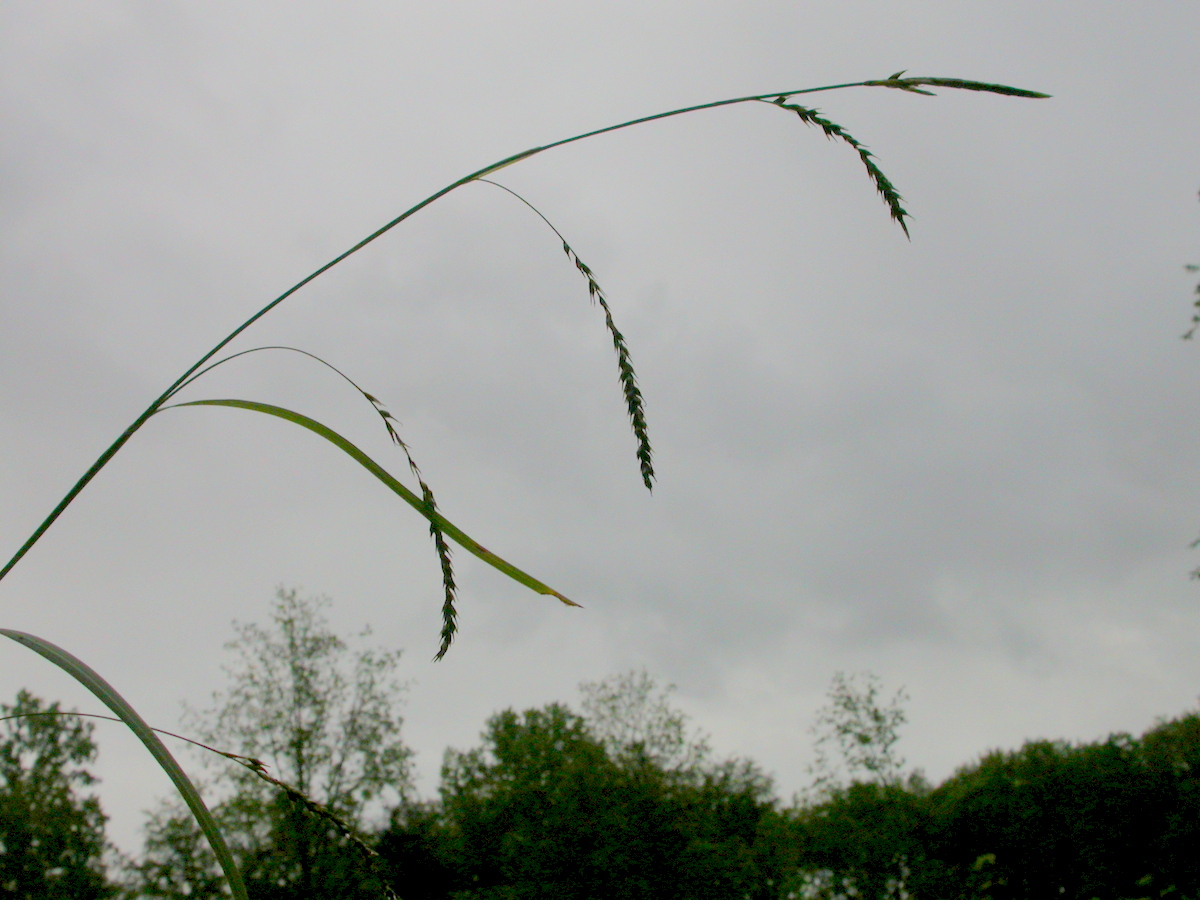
(449, 616)
(107, 694)
(259, 769)
(448, 528)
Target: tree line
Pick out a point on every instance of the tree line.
(615, 798)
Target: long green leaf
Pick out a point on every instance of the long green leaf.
(85, 675)
(451, 530)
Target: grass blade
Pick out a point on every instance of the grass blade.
(108, 695)
(448, 528)
(259, 769)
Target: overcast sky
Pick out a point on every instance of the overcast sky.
(967, 463)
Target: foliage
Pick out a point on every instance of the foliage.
(866, 838)
(856, 834)
(1110, 820)
(620, 801)
(416, 848)
(1051, 819)
(1171, 752)
(861, 728)
(51, 837)
(324, 718)
(176, 860)
(544, 808)
(635, 722)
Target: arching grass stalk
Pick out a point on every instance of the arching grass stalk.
(440, 527)
(896, 81)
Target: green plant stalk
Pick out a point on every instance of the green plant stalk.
(893, 81)
(108, 695)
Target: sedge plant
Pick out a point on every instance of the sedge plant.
(443, 531)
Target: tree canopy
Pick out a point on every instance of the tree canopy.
(324, 719)
(620, 798)
(545, 808)
(51, 833)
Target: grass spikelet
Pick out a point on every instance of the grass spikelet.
(634, 403)
(311, 807)
(449, 614)
(883, 184)
(913, 85)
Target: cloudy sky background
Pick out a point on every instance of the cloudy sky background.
(966, 463)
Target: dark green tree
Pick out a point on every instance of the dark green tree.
(1110, 820)
(51, 835)
(417, 847)
(865, 839)
(323, 719)
(548, 807)
(1049, 820)
(857, 831)
(1171, 752)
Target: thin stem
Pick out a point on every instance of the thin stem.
(141, 420)
(234, 356)
(63, 712)
(540, 214)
